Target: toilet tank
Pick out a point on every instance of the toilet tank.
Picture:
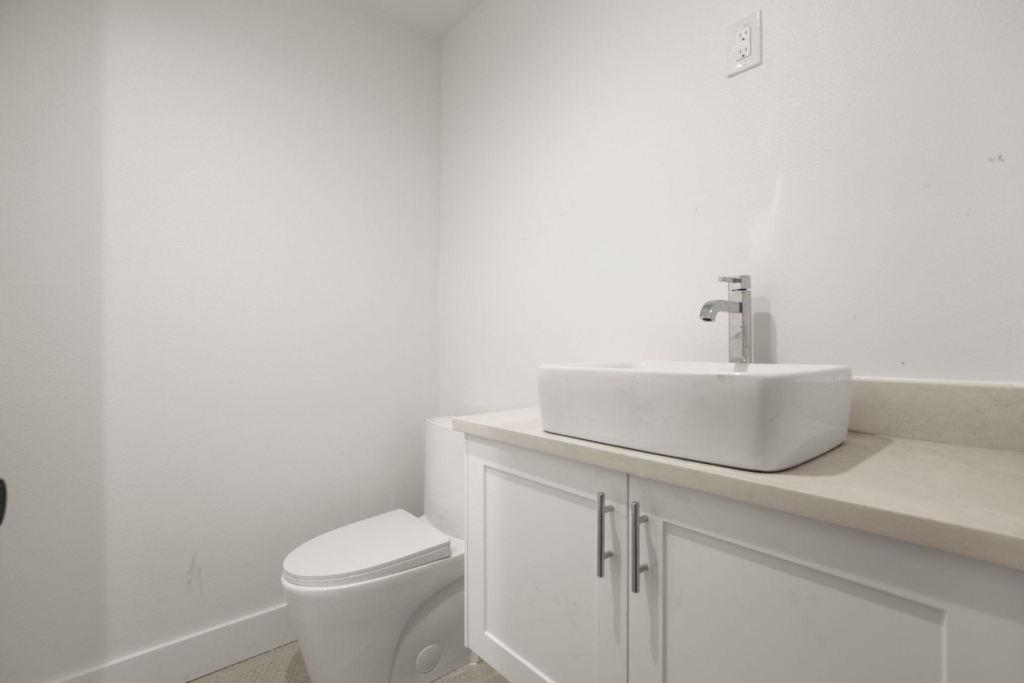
(445, 479)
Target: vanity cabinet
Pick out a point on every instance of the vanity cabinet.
(536, 608)
(730, 593)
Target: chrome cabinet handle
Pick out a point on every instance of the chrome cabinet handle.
(638, 568)
(602, 554)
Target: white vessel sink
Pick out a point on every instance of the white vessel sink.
(750, 416)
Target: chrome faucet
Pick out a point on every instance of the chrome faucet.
(738, 307)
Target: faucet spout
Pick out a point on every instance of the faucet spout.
(738, 306)
(711, 309)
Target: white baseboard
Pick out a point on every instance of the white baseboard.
(193, 656)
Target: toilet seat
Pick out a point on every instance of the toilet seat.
(380, 546)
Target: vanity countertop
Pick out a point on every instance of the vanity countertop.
(961, 499)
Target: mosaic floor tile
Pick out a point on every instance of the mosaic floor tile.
(285, 665)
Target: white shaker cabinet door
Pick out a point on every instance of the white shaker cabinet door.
(735, 593)
(537, 609)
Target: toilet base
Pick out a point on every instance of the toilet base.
(377, 631)
(432, 644)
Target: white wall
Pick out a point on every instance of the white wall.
(218, 307)
(218, 283)
(599, 172)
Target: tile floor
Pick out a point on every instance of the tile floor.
(285, 665)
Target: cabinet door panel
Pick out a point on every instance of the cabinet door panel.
(740, 593)
(537, 609)
(760, 617)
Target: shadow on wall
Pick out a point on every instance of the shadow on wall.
(764, 331)
(52, 543)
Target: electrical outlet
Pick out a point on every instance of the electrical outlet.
(743, 45)
(743, 42)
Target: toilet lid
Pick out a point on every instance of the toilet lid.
(379, 546)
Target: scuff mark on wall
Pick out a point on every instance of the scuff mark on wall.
(194, 578)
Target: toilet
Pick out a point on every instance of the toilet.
(381, 600)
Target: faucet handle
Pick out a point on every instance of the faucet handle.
(742, 280)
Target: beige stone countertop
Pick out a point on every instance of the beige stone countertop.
(961, 499)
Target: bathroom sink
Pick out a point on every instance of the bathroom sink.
(749, 416)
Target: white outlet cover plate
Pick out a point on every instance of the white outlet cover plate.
(734, 63)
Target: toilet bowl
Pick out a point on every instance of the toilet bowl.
(381, 600)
